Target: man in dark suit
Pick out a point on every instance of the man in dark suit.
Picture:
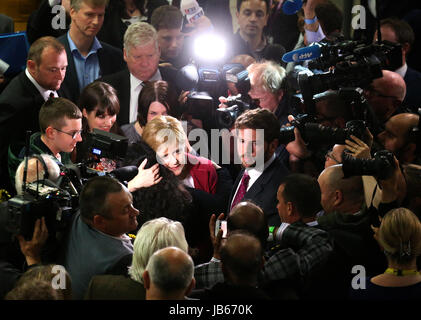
(399, 31)
(21, 100)
(141, 52)
(257, 133)
(89, 59)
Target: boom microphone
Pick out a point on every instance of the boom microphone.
(306, 53)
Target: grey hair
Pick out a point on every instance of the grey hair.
(140, 34)
(270, 74)
(52, 168)
(154, 235)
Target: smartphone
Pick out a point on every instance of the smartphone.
(221, 224)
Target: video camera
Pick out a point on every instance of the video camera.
(103, 144)
(99, 144)
(41, 199)
(202, 81)
(315, 133)
(225, 117)
(347, 64)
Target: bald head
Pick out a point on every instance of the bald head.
(170, 270)
(241, 258)
(391, 84)
(248, 216)
(339, 194)
(386, 94)
(396, 136)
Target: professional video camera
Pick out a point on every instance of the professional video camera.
(41, 199)
(315, 133)
(201, 104)
(103, 144)
(381, 166)
(99, 144)
(225, 117)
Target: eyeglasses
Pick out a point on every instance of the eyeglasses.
(329, 154)
(73, 134)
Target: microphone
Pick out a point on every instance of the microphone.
(290, 7)
(306, 53)
(124, 173)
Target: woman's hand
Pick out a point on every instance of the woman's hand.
(145, 177)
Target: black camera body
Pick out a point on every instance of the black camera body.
(237, 105)
(381, 166)
(315, 133)
(41, 199)
(103, 144)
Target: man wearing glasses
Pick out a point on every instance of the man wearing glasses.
(60, 121)
(385, 95)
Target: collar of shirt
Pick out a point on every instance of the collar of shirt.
(96, 45)
(255, 173)
(402, 70)
(135, 89)
(44, 93)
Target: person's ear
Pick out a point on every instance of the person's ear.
(50, 132)
(405, 49)
(290, 208)
(146, 280)
(191, 286)
(338, 197)
(125, 55)
(84, 113)
(32, 66)
(409, 149)
(98, 221)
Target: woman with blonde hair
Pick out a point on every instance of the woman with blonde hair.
(400, 237)
(165, 135)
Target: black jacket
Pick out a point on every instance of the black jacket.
(110, 61)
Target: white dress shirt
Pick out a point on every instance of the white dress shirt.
(136, 86)
(45, 93)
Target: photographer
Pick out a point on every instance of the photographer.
(37, 170)
(266, 88)
(401, 136)
(385, 95)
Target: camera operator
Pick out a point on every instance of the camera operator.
(60, 122)
(399, 31)
(385, 95)
(266, 87)
(36, 171)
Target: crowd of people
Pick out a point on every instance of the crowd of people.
(306, 190)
